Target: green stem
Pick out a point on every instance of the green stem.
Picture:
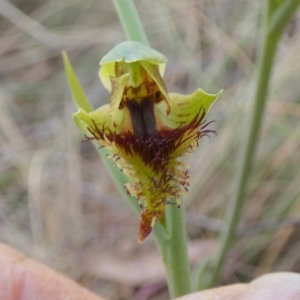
(174, 248)
(174, 252)
(269, 45)
(282, 16)
(130, 20)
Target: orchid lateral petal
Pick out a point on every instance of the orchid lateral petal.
(100, 118)
(118, 86)
(78, 94)
(153, 72)
(106, 73)
(184, 108)
(82, 120)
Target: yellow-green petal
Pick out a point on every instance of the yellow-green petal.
(184, 108)
(105, 73)
(99, 117)
(102, 118)
(152, 70)
(82, 119)
(118, 86)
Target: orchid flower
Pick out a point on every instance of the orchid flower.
(146, 129)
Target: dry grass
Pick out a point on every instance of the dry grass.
(58, 204)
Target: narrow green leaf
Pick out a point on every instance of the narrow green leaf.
(79, 97)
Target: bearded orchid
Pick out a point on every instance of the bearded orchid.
(146, 129)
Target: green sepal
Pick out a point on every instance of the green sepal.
(128, 52)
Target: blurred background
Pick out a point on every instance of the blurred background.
(58, 204)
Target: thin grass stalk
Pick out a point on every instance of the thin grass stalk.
(269, 45)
